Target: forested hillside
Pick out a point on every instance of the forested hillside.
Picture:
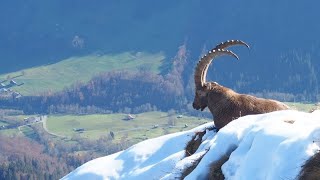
(89, 65)
(115, 91)
(284, 46)
(135, 92)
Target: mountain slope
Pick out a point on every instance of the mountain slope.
(267, 146)
(56, 77)
(39, 32)
(283, 58)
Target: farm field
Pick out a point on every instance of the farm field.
(56, 77)
(307, 107)
(145, 125)
(9, 132)
(2, 123)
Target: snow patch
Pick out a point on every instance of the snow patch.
(261, 146)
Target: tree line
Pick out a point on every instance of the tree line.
(117, 91)
(142, 90)
(43, 157)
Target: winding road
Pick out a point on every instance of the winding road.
(44, 125)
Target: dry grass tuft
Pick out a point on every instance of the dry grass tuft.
(311, 170)
(289, 121)
(188, 170)
(191, 148)
(215, 169)
(195, 142)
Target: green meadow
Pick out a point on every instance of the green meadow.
(3, 123)
(10, 132)
(307, 107)
(56, 77)
(145, 125)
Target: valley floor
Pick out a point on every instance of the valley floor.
(266, 146)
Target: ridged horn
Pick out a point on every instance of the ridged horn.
(223, 45)
(205, 61)
(229, 43)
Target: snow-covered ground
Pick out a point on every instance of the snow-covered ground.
(266, 146)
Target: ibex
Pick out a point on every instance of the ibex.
(225, 104)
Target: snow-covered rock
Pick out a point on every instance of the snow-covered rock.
(266, 146)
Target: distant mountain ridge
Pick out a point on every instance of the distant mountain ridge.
(283, 36)
(41, 32)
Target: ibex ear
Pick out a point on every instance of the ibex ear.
(206, 86)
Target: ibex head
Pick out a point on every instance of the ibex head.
(202, 87)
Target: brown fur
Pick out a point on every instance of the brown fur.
(225, 104)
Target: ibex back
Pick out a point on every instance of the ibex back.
(224, 103)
